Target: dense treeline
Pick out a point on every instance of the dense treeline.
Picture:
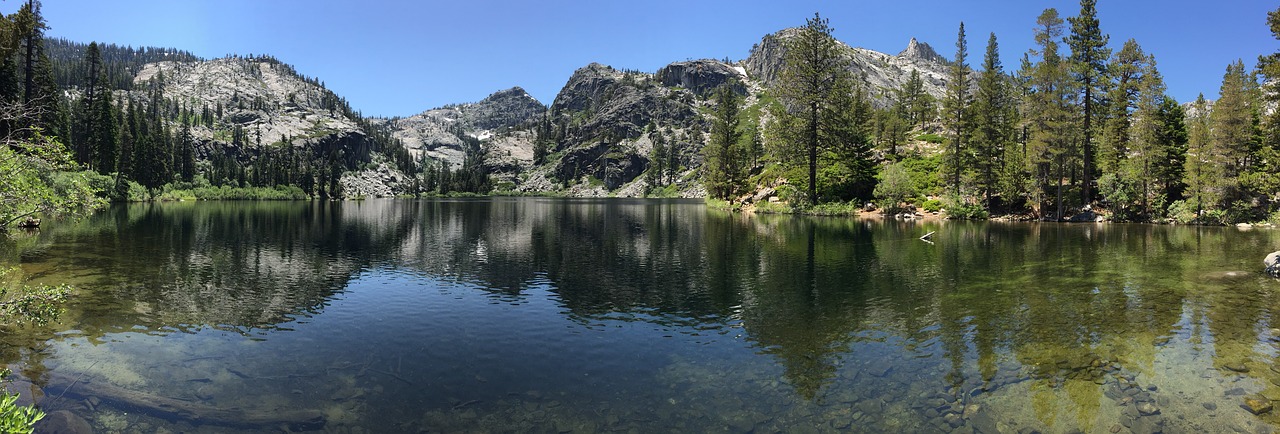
(1079, 124)
(140, 141)
(119, 63)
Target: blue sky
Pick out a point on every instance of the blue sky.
(402, 57)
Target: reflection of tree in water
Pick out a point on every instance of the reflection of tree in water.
(175, 267)
(807, 291)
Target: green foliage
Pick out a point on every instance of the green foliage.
(21, 303)
(895, 186)
(279, 192)
(38, 178)
(1183, 211)
(774, 208)
(664, 191)
(923, 171)
(834, 209)
(931, 138)
(722, 205)
(17, 419)
(932, 205)
(724, 170)
(1121, 197)
(958, 209)
(814, 80)
(956, 108)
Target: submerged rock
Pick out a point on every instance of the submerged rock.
(1257, 404)
(63, 422)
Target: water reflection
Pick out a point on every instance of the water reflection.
(631, 314)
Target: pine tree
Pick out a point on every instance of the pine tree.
(1147, 133)
(1202, 162)
(1171, 152)
(1232, 129)
(722, 167)
(956, 106)
(993, 119)
(813, 67)
(1126, 68)
(913, 103)
(1089, 55)
(656, 175)
(1047, 110)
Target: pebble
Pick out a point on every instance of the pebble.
(1210, 406)
(1234, 391)
(1148, 409)
(1115, 428)
(1237, 367)
(953, 419)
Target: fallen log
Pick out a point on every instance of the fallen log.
(181, 410)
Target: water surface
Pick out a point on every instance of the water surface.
(555, 315)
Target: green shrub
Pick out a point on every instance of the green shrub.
(773, 208)
(1182, 211)
(16, 418)
(720, 205)
(931, 138)
(931, 205)
(895, 186)
(958, 209)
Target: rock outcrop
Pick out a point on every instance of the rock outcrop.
(264, 98)
(703, 76)
(603, 121)
(880, 71)
(442, 133)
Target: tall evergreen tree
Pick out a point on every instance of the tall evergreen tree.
(913, 103)
(1089, 55)
(993, 119)
(813, 68)
(1127, 69)
(1047, 110)
(1147, 134)
(1232, 129)
(723, 163)
(956, 106)
(1203, 167)
(1172, 152)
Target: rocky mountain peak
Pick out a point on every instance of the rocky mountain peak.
(504, 108)
(917, 50)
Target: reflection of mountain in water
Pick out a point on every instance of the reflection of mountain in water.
(818, 295)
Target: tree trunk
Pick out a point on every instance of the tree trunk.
(813, 153)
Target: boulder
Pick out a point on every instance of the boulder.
(1272, 263)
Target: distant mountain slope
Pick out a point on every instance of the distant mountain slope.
(440, 133)
(599, 133)
(879, 70)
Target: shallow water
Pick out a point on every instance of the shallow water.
(554, 315)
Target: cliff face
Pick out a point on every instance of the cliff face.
(603, 122)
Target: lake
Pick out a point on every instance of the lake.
(588, 315)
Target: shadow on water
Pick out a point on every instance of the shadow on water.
(538, 314)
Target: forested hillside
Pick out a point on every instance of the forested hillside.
(1081, 128)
